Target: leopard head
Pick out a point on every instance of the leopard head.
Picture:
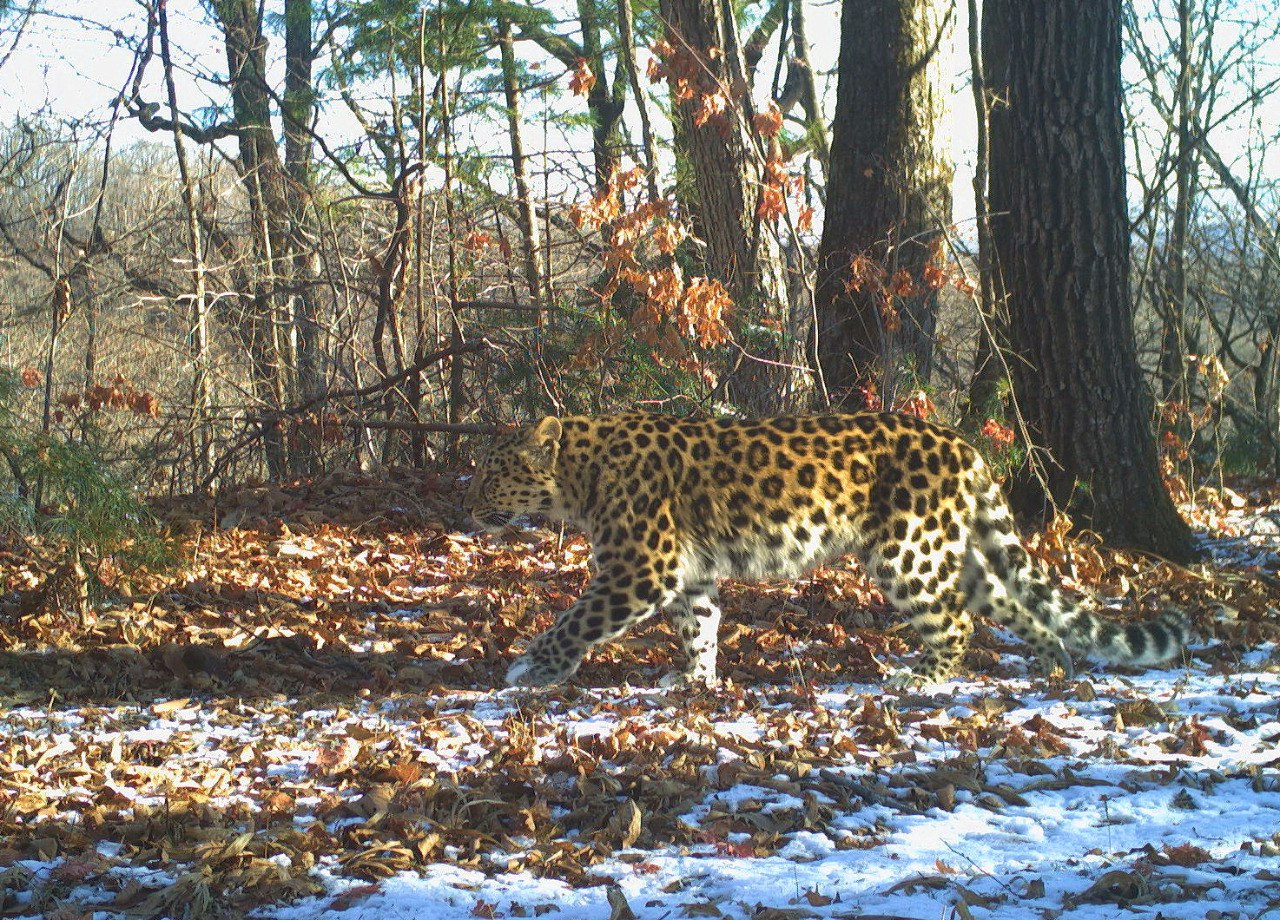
(516, 475)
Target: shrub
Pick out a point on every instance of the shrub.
(76, 516)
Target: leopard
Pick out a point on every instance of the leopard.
(671, 505)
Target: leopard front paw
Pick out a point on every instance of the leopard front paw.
(532, 670)
(905, 680)
(694, 680)
(1057, 654)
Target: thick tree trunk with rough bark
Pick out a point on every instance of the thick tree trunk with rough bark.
(888, 198)
(728, 166)
(262, 173)
(1062, 239)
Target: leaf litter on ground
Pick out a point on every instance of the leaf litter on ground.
(303, 724)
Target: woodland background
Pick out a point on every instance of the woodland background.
(267, 268)
(351, 232)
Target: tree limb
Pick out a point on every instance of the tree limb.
(148, 117)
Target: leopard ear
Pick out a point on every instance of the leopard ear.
(545, 437)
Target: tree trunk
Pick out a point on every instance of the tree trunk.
(627, 57)
(298, 110)
(520, 171)
(987, 54)
(605, 100)
(888, 199)
(1057, 184)
(1177, 334)
(728, 167)
(263, 175)
(605, 104)
(802, 87)
(202, 462)
(1266, 394)
(286, 333)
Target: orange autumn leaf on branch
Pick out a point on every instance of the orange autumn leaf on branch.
(627, 179)
(583, 79)
(934, 276)
(668, 235)
(918, 404)
(772, 205)
(143, 404)
(477, 240)
(688, 77)
(672, 315)
(119, 394)
(889, 316)
(864, 271)
(996, 432)
(901, 285)
(711, 108)
(704, 310)
(769, 122)
(773, 193)
(605, 205)
(657, 68)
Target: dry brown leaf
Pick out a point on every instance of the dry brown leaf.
(626, 823)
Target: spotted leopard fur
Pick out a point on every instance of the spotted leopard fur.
(673, 504)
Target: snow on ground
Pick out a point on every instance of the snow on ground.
(1135, 795)
(1114, 820)
(1238, 534)
(1007, 799)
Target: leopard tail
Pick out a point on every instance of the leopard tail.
(1141, 644)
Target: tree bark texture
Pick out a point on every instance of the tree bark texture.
(627, 58)
(202, 390)
(262, 173)
(888, 197)
(1178, 333)
(728, 170)
(1062, 239)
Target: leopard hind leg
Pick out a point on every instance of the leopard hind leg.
(923, 581)
(695, 616)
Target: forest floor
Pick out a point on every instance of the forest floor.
(303, 723)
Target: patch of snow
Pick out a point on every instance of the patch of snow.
(1114, 794)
